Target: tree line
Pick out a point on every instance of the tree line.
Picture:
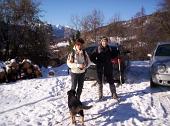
(22, 33)
(139, 34)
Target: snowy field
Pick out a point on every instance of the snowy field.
(43, 101)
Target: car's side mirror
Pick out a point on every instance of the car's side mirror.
(149, 55)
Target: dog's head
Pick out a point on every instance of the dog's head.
(71, 93)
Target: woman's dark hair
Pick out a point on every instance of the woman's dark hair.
(79, 40)
(104, 38)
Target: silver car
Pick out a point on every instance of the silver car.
(160, 65)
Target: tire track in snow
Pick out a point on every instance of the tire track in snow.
(160, 101)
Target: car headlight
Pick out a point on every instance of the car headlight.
(161, 68)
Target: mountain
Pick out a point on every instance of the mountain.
(60, 32)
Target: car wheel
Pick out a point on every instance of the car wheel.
(152, 84)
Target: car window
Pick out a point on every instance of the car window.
(163, 50)
(89, 50)
(115, 50)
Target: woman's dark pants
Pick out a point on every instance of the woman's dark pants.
(77, 80)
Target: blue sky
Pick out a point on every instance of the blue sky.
(60, 11)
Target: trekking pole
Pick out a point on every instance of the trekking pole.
(119, 67)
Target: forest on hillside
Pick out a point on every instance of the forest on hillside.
(140, 34)
(24, 35)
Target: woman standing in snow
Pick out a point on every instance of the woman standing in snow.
(102, 57)
(78, 61)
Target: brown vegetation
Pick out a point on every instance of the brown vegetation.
(24, 35)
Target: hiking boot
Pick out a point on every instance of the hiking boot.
(100, 98)
(100, 91)
(114, 96)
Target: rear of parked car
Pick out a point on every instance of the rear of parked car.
(120, 63)
(160, 65)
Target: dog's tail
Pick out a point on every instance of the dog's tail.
(87, 107)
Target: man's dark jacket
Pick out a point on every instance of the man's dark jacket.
(102, 57)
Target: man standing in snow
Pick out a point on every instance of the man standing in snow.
(78, 61)
(102, 57)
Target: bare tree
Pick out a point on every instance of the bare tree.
(76, 22)
(164, 5)
(116, 28)
(22, 32)
(164, 16)
(159, 27)
(141, 13)
(92, 22)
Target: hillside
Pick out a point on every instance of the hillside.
(135, 34)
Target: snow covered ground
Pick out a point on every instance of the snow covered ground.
(43, 101)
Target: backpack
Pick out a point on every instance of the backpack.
(72, 56)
